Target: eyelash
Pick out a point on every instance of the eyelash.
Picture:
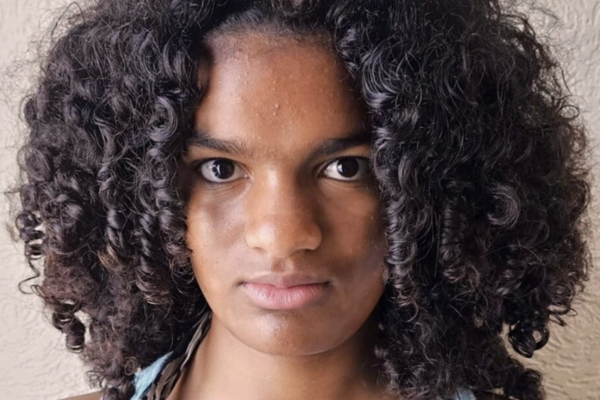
(363, 161)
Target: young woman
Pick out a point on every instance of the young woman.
(304, 199)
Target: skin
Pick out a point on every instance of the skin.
(283, 210)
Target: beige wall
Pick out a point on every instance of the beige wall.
(33, 362)
(571, 360)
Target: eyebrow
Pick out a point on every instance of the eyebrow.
(202, 138)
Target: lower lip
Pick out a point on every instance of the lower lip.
(290, 298)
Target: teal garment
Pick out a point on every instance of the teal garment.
(145, 377)
(465, 394)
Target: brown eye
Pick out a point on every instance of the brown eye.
(221, 170)
(347, 169)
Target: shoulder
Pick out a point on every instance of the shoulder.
(88, 396)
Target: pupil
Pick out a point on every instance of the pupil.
(348, 167)
(222, 169)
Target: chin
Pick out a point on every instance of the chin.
(292, 335)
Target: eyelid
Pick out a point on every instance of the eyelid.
(364, 160)
(199, 164)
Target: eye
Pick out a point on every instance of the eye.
(348, 169)
(220, 170)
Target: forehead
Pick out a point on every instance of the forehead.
(260, 86)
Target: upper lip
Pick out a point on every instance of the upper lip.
(286, 280)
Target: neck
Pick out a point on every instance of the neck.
(225, 368)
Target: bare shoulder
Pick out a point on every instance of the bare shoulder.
(88, 396)
(490, 396)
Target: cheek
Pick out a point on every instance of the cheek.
(357, 236)
(356, 230)
(213, 234)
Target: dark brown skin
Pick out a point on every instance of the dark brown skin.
(282, 210)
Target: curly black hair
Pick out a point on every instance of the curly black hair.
(480, 158)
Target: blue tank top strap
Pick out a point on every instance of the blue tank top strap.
(144, 378)
(465, 394)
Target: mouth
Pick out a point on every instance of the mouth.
(295, 297)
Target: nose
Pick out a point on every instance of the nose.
(282, 218)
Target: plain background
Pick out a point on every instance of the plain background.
(33, 361)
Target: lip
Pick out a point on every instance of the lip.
(290, 298)
(287, 280)
(285, 292)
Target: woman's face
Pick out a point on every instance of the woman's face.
(283, 215)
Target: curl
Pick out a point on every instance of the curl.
(481, 162)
